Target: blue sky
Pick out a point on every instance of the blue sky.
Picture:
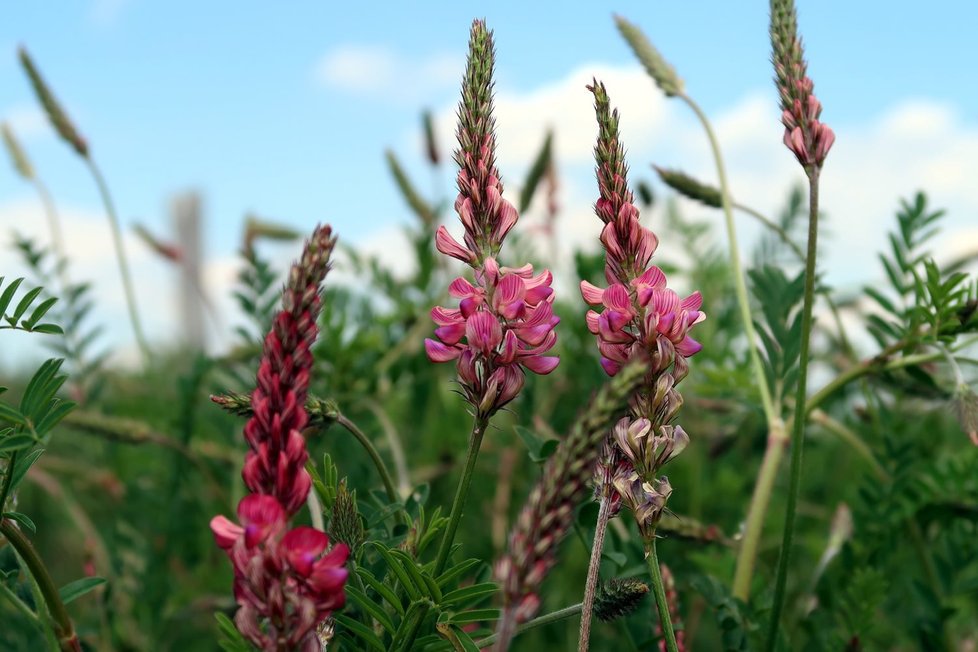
(244, 100)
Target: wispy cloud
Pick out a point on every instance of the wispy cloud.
(106, 13)
(379, 72)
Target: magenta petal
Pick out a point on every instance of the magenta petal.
(652, 277)
(446, 316)
(460, 288)
(610, 366)
(510, 348)
(438, 352)
(483, 332)
(506, 220)
(451, 334)
(688, 347)
(541, 364)
(692, 302)
(616, 297)
(302, 546)
(261, 516)
(226, 533)
(592, 321)
(449, 246)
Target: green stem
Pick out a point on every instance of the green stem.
(777, 441)
(798, 428)
(120, 253)
(740, 287)
(20, 606)
(591, 584)
(665, 618)
(540, 621)
(445, 548)
(63, 627)
(461, 493)
(378, 461)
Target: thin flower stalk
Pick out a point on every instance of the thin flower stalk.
(641, 319)
(809, 140)
(287, 582)
(549, 511)
(504, 323)
(66, 129)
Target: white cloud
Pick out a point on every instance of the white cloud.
(106, 13)
(377, 71)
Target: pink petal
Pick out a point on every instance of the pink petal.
(483, 332)
(302, 546)
(692, 302)
(451, 334)
(446, 316)
(610, 366)
(449, 246)
(226, 532)
(540, 364)
(510, 348)
(652, 277)
(593, 295)
(438, 352)
(262, 516)
(616, 297)
(507, 218)
(460, 288)
(688, 347)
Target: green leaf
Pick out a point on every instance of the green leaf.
(25, 303)
(382, 590)
(472, 593)
(8, 413)
(458, 570)
(363, 632)
(359, 598)
(459, 639)
(536, 172)
(16, 443)
(474, 616)
(540, 448)
(48, 329)
(23, 519)
(8, 294)
(59, 410)
(74, 590)
(402, 575)
(422, 580)
(39, 312)
(24, 463)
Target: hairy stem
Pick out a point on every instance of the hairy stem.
(63, 626)
(458, 505)
(461, 493)
(539, 621)
(777, 441)
(375, 457)
(740, 287)
(8, 480)
(665, 618)
(120, 253)
(591, 585)
(798, 427)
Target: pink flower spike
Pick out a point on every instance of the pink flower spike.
(438, 352)
(226, 533)
(302, 547)
(593, 295)
(449, 246)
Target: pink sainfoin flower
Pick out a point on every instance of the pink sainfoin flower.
(809, 139)
(505, 322)
(640, 316)
(285, 581)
